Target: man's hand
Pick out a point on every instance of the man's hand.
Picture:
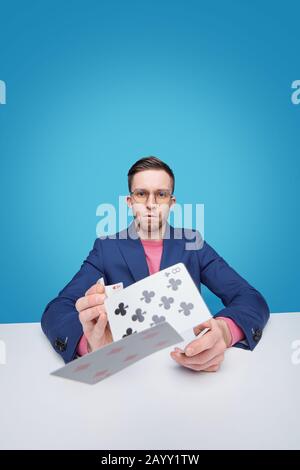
(205, 353)
(93, 317)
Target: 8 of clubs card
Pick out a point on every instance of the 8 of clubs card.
(169, 295)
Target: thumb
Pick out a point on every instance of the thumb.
(95, 289)
(197, 329)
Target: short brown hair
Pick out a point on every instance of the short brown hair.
(149, 163)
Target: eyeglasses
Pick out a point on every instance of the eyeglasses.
(161, 196)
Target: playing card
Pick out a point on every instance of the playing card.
(168, 295)
(110, 289)
(104, 362)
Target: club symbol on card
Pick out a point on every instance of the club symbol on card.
(157, 319)
(147, 296)
(121, 310)
(129, 331)
(139, 315)
(186, 308)
(166, 302)
(174, 283)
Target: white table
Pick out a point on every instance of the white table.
(252, 402)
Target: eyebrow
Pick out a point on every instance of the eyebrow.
(159, 189)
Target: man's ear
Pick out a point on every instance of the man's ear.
(173, 201)
(128, 201)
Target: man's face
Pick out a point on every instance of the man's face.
(150, 215)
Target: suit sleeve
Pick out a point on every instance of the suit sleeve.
(243, 303)
(60, 320)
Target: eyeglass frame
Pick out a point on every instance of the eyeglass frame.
(171, 195)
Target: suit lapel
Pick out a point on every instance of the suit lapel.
(133, 252)
(173, 246)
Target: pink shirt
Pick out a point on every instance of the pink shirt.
(153, 251)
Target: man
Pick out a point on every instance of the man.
(76, 321)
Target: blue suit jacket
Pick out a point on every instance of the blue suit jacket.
(122, 258)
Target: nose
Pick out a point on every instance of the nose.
(151, 201)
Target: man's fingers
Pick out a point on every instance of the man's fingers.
(89, 301)
(197, 329)
(96, 289)
(205, 353)
(212, 368)
(90, 314)
(96, 328)
(100, 325)
(205, 342)
(216, 360)
(202, 358)
(88, 328)
(201, 344)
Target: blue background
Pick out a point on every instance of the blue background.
(94, 85)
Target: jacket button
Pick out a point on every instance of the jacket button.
(257, 334)
(60, 344)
